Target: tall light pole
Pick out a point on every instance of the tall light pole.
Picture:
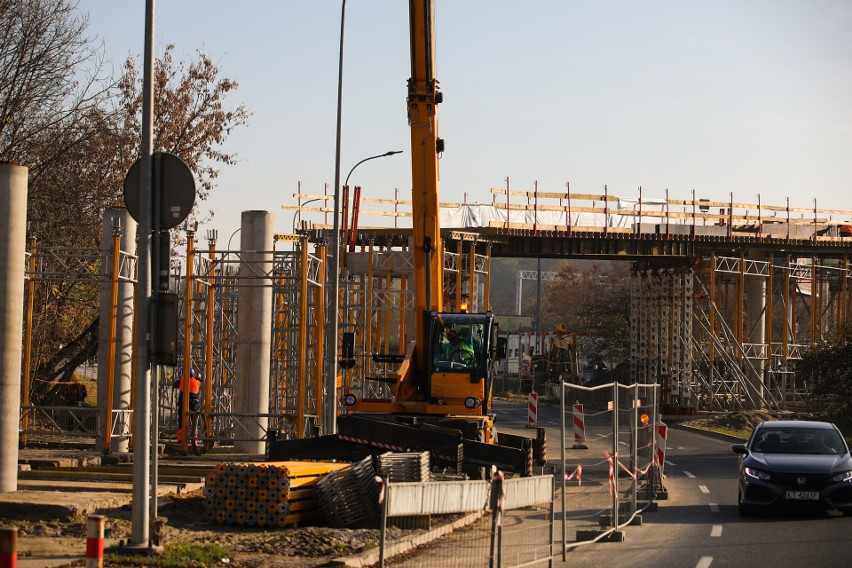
(330, 410)
(140, 513)
(329, 422)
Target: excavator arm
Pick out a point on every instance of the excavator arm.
(423, 100)
(440, 396)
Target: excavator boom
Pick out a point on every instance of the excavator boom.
(423, 100)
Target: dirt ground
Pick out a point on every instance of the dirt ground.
(303, 547)
(741, 420)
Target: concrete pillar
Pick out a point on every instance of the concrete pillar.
(254, 328)
(123, 364)
(13, 243)
(755, 328)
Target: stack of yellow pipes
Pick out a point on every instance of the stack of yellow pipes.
(274, 494)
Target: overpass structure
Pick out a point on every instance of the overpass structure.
(725, 296)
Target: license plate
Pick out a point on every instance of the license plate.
(802, 495)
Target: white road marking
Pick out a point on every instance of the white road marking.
(714, 507)
(703, 489)
(716, 531)
(667, 462)
(689, 474)
(704, 562)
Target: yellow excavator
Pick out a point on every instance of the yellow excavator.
(446, 369)
(441, 392)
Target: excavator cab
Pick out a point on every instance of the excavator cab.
(461, 348)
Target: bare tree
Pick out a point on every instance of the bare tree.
(50, 74)
(77, 128)
(191, 120)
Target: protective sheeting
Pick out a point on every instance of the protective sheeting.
(624, 213)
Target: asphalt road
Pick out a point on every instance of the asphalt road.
(699, 526)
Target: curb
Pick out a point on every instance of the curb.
(709, 433)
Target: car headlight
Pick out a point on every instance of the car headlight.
(843, 476)
(756, 473)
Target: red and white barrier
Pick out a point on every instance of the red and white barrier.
(660, 434)
(579, 420)
(8, 547)
(95, 541)
(532, 410)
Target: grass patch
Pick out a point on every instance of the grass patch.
(175, 555)
(743, 434)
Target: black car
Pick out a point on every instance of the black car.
(789, 462)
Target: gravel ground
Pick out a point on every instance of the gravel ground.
(741, 420)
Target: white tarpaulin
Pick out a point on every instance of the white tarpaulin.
(469, 216)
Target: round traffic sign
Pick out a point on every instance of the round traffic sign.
(172, 178)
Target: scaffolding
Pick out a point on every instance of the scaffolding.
(725, 336)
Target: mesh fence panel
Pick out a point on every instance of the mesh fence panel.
(517, 536)
(589, 441)
(526, 535)
(609, 447)
(468, 545)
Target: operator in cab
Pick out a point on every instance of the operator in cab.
(456, 347)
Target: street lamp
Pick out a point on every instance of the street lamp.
(330, 407)
(391, 153)
(298, 212)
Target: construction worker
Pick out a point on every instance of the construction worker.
(75, 395)
(194, 396)
(458, 347)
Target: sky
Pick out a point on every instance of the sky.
(726, 98)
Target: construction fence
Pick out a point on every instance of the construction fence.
(610, 460)
(497, 523)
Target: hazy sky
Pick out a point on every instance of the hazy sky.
(750, 97)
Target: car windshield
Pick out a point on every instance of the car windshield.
(798, 441)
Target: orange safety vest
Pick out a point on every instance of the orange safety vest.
(194, 385)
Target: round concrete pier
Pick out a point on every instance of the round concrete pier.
(13, 237)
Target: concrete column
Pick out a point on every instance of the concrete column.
(123, 364)
(13, 243)
(755, 328)
(254, 328)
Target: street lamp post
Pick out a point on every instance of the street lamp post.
(330, 409)
(298, 212)
(391, 153)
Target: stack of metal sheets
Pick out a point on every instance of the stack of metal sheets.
(402, 467)
(349, 496)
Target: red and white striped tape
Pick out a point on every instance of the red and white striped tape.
(382, 486)
(609, 458)
(578, 473)
(372, 443)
